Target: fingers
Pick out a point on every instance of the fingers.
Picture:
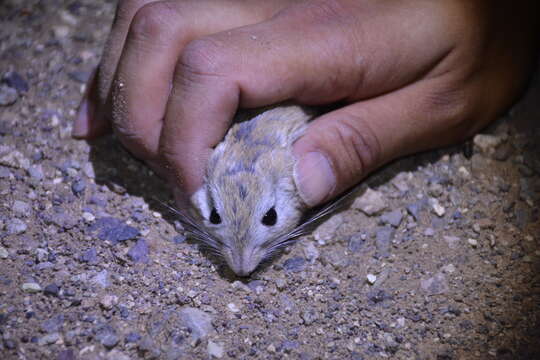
(158, 33)
(93, 116)
(311, 53)
(342, 147)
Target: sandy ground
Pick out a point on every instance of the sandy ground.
(438, 259)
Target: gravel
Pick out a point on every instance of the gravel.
(435, 258)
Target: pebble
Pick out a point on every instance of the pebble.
(36, 172)
(49, 339)
(106, 335)
(108, 301)
(199, 322)
(15, 159)
(102, 279)
(113, 230)
(327, 230)
(435, 285)
(54, 324)
(383, 241)
(371, 278)
(8, 95)
(378, 295)
(393, 218)
(486, 142)
(67, 354)
(4, 253)
(78, 187)
(429, 231)
(449, 269)
(215, 350)
(90, 256)
(139, 252)
(311, 252)
(31, 287)
(295, 264)
(21, 208)
(472, 242)
(256, 286)
(233, 308)
(179, 239)
(88, 217)
(4, 173)
(14, 80)
(356, 242)
(133, 337)
(371, 202)
(452, 241)
(51, 289)
(16, 227)
(309, 316)
(437, 208)
(238, 285)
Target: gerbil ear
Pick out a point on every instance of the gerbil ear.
(201, 202)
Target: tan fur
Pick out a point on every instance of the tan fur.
(250, 172)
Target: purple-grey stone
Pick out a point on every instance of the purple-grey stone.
(113, 230)
(295, 264)
(139, 252)
(90, 256)
(16, 81)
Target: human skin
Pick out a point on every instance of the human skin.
(410, 75)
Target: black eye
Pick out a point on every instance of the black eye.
(270, 218)
(214, 217)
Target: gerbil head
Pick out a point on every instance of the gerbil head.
(248, 208)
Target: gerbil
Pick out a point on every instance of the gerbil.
(249, 208)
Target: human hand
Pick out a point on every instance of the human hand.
(413, 75)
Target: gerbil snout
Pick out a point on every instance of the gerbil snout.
(244, 262)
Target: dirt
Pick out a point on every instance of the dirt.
(438, 259)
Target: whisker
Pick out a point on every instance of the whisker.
(194, 230)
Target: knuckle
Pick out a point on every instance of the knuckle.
(360, 147)
(324, 11)
(450, 104)
(127, 8)
(203, 57)
(151, 21)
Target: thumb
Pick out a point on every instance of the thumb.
(343, 146)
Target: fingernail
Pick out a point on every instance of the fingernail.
(82, 121)
(314, 178)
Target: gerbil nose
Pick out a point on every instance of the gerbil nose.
(244, 263)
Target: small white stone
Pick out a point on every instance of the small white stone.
(108, 301)
(371, 278)
(464, 172)
(371, 202)
(449, 269)
(4, 254)
(31, 287)
(473, 242)
(233, 308)
(486, 142)
(88, 217)
(438, 209)
(238, 285)
(215, 350)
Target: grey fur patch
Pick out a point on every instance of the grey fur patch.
(240, 166)
(244, 130)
